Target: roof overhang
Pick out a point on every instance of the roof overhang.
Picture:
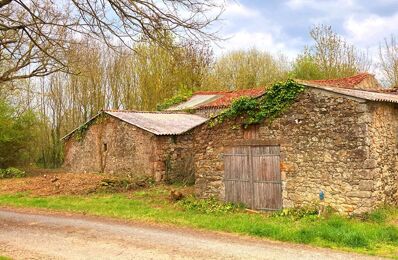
(355, 93)
(157, 123)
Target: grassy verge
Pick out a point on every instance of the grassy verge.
(377, 235)
(4, 258)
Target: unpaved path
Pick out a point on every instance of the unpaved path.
(31, 235)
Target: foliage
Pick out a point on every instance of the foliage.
(181, 96)
(329, 57)
(18, 135)
(298, 212)
(246, 69)
(82, 130)
(255, 110)
(210, 205)
(11, 173)
(153, 204)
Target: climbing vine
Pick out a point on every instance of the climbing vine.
(80, 133)
(255, 110)
(182, 96)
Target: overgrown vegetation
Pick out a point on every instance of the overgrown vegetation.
(210, 205)
(181, 96)
(124, 184)
(18, 135)
(255, 110)
(80, 133)
(12, 173)
(375, 234)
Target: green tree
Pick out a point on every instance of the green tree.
(247, 69)
(329, 57)
(18, 136)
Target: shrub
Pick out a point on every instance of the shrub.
(211, 205)
(11, 173)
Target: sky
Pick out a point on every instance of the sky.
(282, 26)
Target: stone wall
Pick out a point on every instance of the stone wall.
(116, 147)
(325, 146)
(175, 159)
(383, 140)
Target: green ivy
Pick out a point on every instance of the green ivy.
(80, 133)
(255, 110)
(182, 96)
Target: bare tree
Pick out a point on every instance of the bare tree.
(330, 56)
(35, 34)
(388, 53)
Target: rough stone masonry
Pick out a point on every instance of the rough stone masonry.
(345, 147)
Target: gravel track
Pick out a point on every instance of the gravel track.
(26, 234)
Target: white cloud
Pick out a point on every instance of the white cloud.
(370, 30)
(322, 5)
(236, 9)
(244, 40)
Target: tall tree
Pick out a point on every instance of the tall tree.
(34, 34)
(388, 54)
(329, 57)
(247, 69)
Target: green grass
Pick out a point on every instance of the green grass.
(4, 258)
(375, 235)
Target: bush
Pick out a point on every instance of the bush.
(11, 173)
(211, 205)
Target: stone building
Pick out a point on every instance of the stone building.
(338, 141)
(157, 145)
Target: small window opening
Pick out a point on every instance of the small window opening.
(105, 147)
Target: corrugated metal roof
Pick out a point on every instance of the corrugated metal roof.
(216, 99)
(158, 123)
(195, 101)
(361, 94)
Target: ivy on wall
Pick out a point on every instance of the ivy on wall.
(80, 133)
(255, 110)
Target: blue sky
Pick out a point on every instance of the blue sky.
(282, 26)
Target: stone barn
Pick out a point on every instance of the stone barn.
(157, 145)
(338, 141)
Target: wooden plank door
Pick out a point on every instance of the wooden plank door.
(238, 183)
(252, 176)
(267, 183)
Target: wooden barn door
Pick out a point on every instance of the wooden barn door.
(252, 176)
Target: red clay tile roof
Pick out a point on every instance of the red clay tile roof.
(227, 97)
(352, 83)
(348, 82)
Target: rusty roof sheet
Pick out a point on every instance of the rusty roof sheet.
(356, 93)
(346, 82)
(158, 123)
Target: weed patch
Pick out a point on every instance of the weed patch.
(12, 173)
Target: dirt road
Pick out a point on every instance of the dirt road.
(32, 235)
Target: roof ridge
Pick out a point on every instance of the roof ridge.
(146, 112)
(342, 78)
